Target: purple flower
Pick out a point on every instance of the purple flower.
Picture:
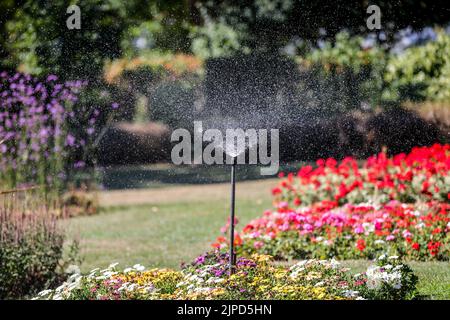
(33, 115)
(70, 140)
(52, 77)
(79, 164)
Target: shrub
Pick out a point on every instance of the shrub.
(31, 251)
(78, 202)
(420, 73)
(131, 143)
(347, 69)
(387, 279)
(437, 113)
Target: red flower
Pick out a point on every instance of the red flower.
(237, 240)
(433, 247)
(416, 246)
(360, 244)
(331, 163)
(276, 191)
(320, 162)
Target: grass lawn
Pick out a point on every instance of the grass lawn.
(165, 226)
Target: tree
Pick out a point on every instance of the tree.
(36, 35)
(266, 25)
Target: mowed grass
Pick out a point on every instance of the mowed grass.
(166, 226)
(162, 227)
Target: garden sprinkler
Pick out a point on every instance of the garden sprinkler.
(232, 207)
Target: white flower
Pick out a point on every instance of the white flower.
(420, 225)
(72, 269)
(61, 287)
(397, 285)
(351, 294)
(416, 213)
(44, 292)
(388, 275)
(319, 284)
(393, 257)
(131, 287)
(379, 241)
(139, 267)
(74, 285)
(334, 263)
(368, 227)
(113, 265)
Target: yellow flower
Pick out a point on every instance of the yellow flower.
(261, 257)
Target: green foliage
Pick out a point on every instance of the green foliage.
(162, 33)
(347, 67)
(216, 39)
(38, 40)
(31, 252)
(420, 73)
(346, 52)
(263, 25)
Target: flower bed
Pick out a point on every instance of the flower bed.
(398, 205)
(421, 175)
(350, 232)
(256, 278)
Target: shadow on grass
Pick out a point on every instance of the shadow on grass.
(160, 175)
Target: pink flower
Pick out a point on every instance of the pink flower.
(390, 237)
(258, 244)
(406, 234)
(359, 229)
(282, 205)
(255, 234)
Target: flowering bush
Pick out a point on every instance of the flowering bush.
(256, 278)
(421, 175)
(33, 135)
(387, 279)
(40, 128)
(343, 211)
(350, 232)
